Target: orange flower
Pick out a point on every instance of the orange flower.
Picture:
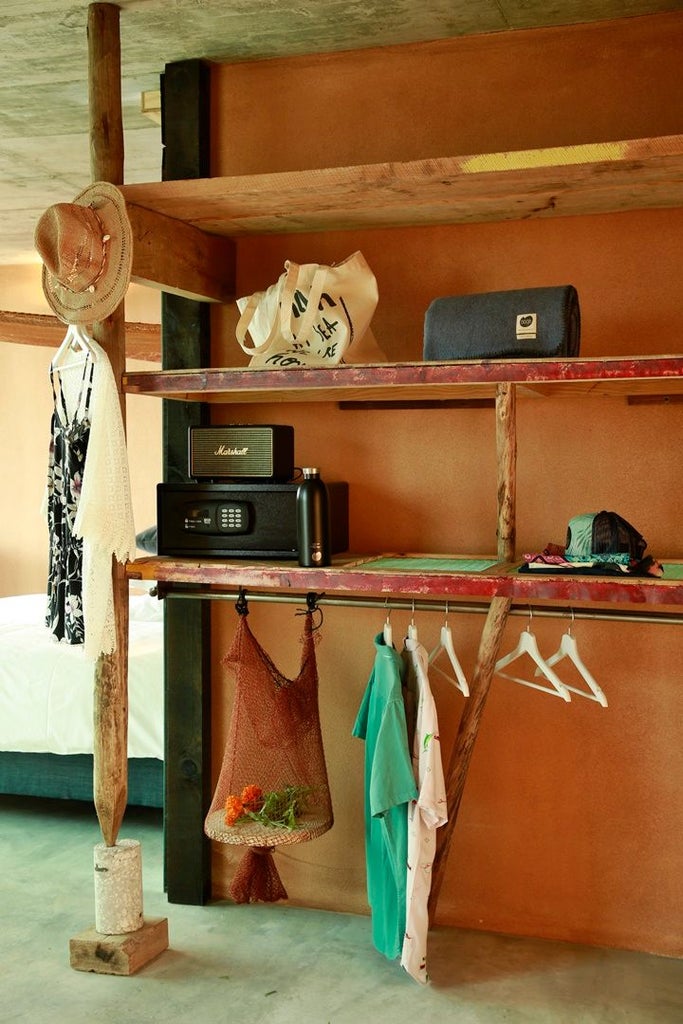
(252, 798)
(234, 809)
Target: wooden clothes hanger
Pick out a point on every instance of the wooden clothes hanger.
(446, 644)
(568, 649)
(527, 645)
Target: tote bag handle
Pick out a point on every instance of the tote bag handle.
(291, 283)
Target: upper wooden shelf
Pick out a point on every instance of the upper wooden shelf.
(388, 382)
(594, 177)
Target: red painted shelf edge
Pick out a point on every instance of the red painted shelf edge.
(351, 578)
(533, 371)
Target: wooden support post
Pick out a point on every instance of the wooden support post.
(104, 93)
(125, 953)
(111, 675)
(461, 755)
(470, 720)
(506, 447)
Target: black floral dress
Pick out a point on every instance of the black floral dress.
(68, 447)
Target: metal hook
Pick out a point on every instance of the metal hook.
(311, 607)
(241, 605)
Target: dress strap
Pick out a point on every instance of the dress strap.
(84, 391)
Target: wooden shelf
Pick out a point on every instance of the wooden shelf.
(595, 177)
(616, 377)
(356, 575)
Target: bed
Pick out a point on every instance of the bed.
(46, 705)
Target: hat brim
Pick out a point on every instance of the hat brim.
(88, 307)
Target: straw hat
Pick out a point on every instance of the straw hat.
(87, 251)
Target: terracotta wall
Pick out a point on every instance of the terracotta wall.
(570, 826)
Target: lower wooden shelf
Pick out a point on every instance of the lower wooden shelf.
(437, 576)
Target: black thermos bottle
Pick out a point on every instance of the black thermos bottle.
(313, 520)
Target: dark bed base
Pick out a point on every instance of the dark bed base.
(70, 777)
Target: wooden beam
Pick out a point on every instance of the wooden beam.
(178, 258)
(143, 341)
(150, 105)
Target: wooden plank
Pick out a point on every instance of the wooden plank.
(180, 259)
(609, 377)
(558, 181)
(356, 576)
(143, 341)
(187, 644)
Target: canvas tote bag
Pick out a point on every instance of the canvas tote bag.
(314, 315)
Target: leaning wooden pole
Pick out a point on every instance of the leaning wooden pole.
(470, 721)
(111, 674)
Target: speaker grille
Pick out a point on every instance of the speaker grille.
(241, 452)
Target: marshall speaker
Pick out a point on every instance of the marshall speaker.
(260, 452)
(247, 520)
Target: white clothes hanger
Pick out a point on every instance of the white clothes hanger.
(387, 631)
(568, 649)
(76, 340)
(527, 645)
(412, 628)
(446, 644)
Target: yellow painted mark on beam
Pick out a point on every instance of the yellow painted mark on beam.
(554, 156)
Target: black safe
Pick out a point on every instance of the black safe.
(240, 520)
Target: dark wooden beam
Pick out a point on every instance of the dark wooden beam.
(185, 343)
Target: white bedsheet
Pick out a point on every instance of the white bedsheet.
(46, 686)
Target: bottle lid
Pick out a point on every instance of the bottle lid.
(310, 471)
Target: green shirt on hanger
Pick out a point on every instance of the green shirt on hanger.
(389, 786)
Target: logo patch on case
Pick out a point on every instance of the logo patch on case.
(526, 326)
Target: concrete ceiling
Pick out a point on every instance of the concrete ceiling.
(44, 146)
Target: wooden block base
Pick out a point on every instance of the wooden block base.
(119, 954)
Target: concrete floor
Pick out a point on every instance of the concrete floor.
(275, 964)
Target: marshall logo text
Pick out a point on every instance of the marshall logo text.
(224, 449)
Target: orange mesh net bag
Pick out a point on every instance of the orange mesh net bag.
(272, 788)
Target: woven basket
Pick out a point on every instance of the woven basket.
(253, 833)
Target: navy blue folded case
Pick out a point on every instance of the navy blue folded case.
(525, 323)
